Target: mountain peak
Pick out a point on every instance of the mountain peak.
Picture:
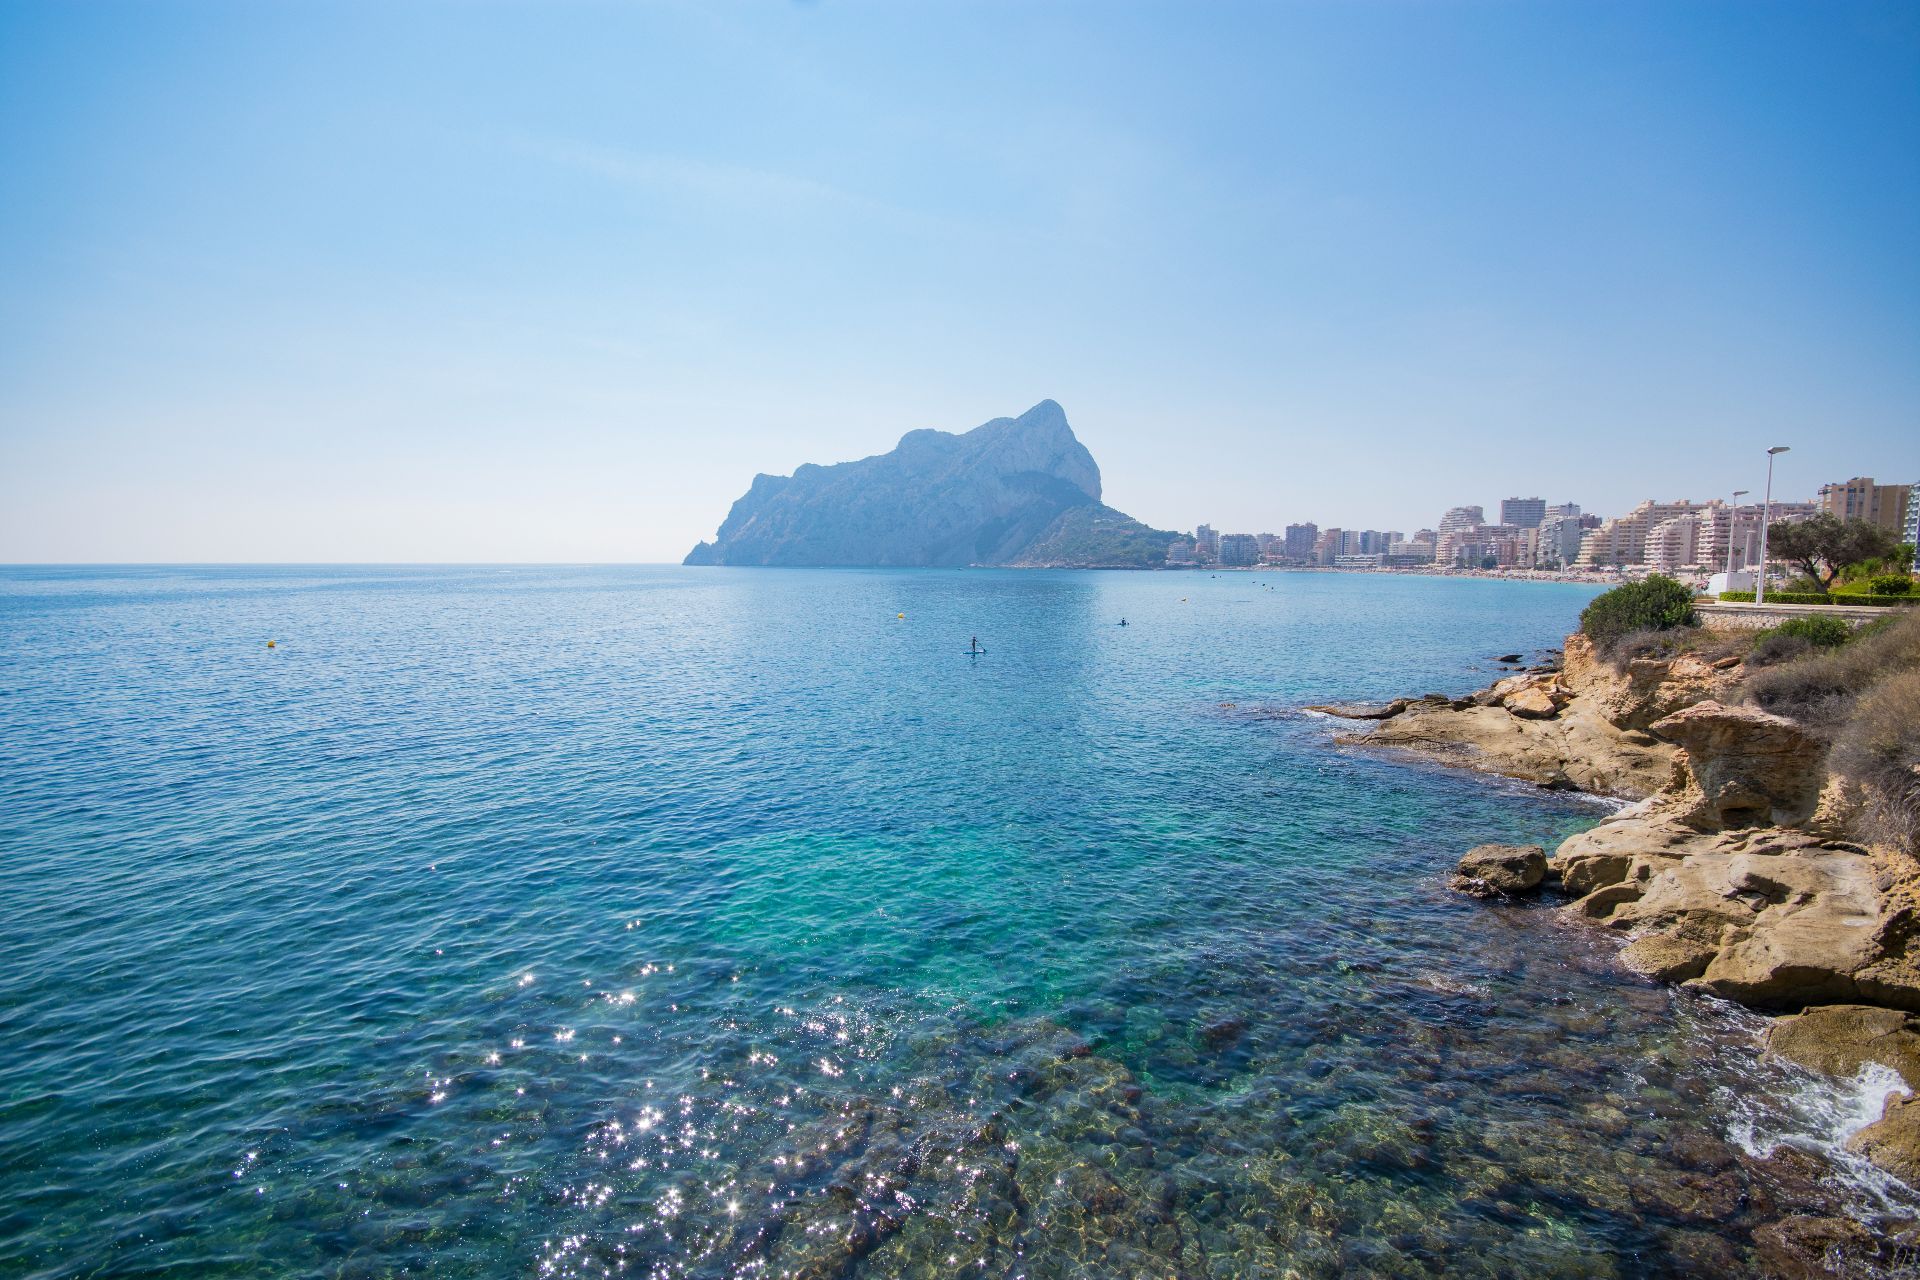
(994, 495)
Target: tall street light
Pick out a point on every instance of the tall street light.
(1733, 522)
(1766, 507)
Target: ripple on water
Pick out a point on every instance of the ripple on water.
(680, 923)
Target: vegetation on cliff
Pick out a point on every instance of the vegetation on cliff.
(1097, 537)
(1861, 697)
(1656, 604)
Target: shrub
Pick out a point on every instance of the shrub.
(1890, 584)
(1879, 748)
(1822, 688)
(1797, 637)
(1884, 602)
(1644, 643)
(1772, 649)
(1779, 597)
(1656, 604)
(1820, 630)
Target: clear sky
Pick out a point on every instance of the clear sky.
(492, 281)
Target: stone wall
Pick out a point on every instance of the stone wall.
(1723, 615)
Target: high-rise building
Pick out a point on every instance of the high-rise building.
(1623, 539)
(1558, 542)
(1454, 526)
(1206, 544)
(1523, 513)
(1860, 498)
(1239, 549)
(1404, 554)
(1680, 543)
(1910, 527)
(1298, 544)
(1631, 540)
(1504, 544)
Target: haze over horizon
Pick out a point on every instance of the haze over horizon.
(523, 283)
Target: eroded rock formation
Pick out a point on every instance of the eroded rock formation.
(1735, 872)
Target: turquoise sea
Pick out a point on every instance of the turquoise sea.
(666, 922)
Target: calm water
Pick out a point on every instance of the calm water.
(663, 922)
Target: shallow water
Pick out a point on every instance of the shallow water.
(668, 922)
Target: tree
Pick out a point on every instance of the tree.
(1824, 545)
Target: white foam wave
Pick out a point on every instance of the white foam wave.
(1819, 1113)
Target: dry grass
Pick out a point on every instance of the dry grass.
(1863, 697)
(1702, 642)
(1821, 688)
(1879, 748)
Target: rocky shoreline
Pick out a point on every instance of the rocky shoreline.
(1734, 871)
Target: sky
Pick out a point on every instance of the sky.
(486, 281)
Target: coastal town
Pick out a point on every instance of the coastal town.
(1713, 545)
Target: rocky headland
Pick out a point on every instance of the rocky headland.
(1741, 868)
(1014, 491)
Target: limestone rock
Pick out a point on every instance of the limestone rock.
(1532, 704)
(1839, 1038)
(1646, 690)
(1769, 917)
(1576, 747)
(1747, 767)
(1500, 870)
(1893, 1141)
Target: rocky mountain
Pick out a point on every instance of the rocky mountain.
(1014, 491)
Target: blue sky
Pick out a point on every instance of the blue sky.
(490, 281)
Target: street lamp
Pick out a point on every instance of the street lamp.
(1766, 507)
(1733, 523)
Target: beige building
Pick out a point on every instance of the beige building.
(1672, 536)
(1861, 499)
(1623, 539)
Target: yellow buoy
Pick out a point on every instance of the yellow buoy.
(269, 644)
(901, 616)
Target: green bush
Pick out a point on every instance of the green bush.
(1779, 597)
(1822, 631)
(1656, 604)
(1882, 602)
(1890, 584)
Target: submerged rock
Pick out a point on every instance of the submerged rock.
(1362, 710)
(1500, 870)
(1809, 1248)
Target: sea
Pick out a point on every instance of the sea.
(509, 921)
